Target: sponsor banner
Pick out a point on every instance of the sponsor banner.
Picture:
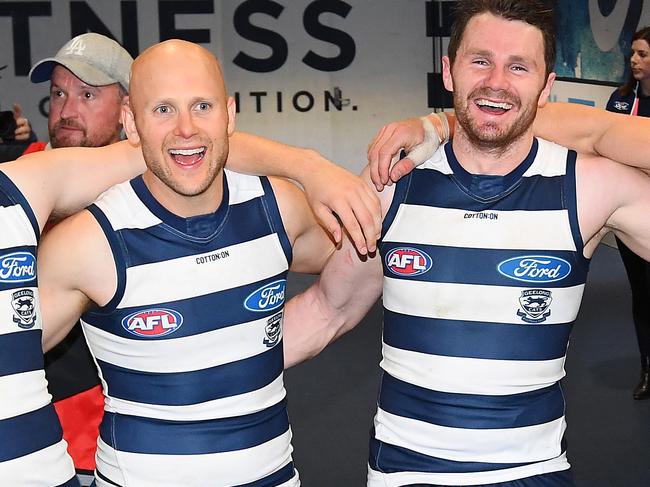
(535, 268)
(17, 267)
(266, 298)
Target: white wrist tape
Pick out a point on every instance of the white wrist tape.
(432, 140)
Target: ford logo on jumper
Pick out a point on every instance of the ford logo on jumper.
(535, 268)
(17, 267)
(266, 298)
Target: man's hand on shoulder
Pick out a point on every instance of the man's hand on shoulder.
(419, 137)
(331, 190)
(335, 192)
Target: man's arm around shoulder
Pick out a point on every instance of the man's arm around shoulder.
(75, 268)
(613, 197)
(66, 180)
(330, 189)
(590, 130)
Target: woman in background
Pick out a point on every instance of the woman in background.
(634, 98)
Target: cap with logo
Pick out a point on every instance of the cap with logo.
(93, 58)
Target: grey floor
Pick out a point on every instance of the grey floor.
(332, 397)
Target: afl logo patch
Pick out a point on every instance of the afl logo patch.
(408, 262)
(17, 267)
(153, 323)
(535, 268)
(266, 298)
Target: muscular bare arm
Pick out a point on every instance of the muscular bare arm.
(613, 197)
(75, 268)
(63, 181)
(591, 130)
(310, 242)
(329, 188)
(333, 305)
(584, 129)
(348, 286)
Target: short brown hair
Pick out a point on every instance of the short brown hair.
(538, 13)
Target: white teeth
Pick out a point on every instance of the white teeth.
(492, 104)
(186, 152)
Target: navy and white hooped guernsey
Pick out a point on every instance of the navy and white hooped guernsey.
(483, 278)
(190, 347)
(32, 449)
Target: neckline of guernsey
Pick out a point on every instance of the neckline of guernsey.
(195, 226)
(487, 186)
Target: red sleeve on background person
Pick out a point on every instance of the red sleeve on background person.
(80, 416)
(35, 147)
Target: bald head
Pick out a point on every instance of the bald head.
(175, 63)
(181, 115)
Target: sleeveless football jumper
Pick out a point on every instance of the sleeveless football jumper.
(189, 349)
(483, 278)
(32, 449)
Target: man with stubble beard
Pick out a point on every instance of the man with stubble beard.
(179, 277)
(484, 257)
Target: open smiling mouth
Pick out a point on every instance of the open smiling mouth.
(493, 107)
(187, 157)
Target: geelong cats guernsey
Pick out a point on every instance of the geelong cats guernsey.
(32, 449)
(189, 349)
(483, 277)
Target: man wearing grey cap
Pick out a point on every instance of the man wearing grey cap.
(89, 79)
(89, 82)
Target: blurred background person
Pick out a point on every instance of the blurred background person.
(634, 98)
(89, 82)
(16, 133)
